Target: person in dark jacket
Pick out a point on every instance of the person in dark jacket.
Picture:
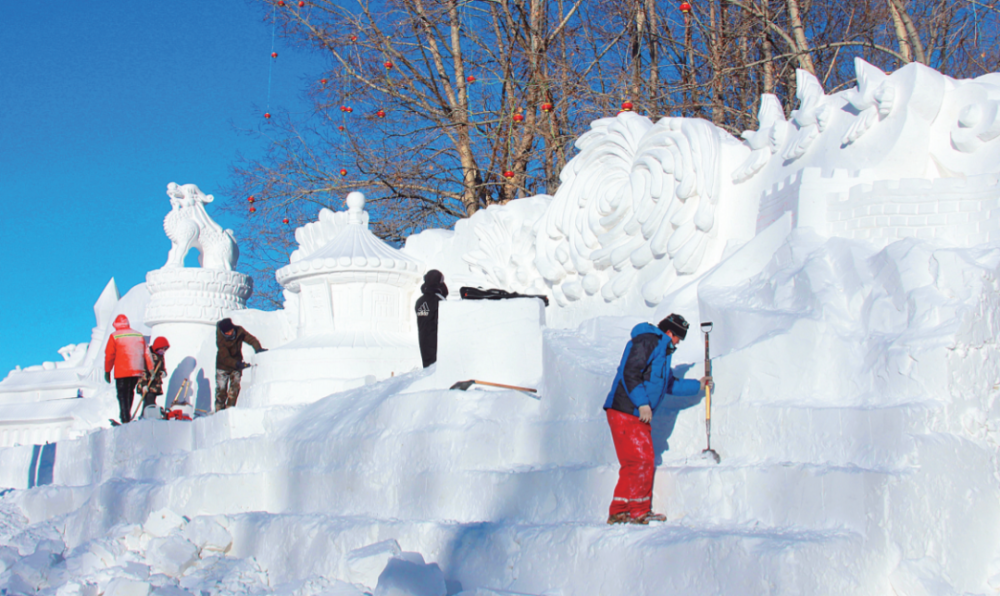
(128, 355)
(151, 383)
(229, 340)
(643, 379)
(432, 292)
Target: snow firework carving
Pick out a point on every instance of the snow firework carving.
(639, 196)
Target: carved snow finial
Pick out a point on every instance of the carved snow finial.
(873, 98)
(771, 133)
(356, 207)
(812, 116)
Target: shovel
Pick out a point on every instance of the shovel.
(708, 451)
(464, 385)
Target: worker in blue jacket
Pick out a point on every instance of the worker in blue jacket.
(644, 378)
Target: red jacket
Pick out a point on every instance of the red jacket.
(126, 351)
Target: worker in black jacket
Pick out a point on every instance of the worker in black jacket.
(432, 292)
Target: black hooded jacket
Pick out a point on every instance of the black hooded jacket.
(432, 291)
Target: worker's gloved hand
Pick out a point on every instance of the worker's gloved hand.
(707, 381)
(645, 414)
(107, 377)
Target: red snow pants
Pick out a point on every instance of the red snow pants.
(634, 447)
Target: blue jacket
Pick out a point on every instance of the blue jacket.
(644, 376)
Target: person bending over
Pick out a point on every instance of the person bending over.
(229, 365)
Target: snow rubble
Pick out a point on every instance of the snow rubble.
(849, 259)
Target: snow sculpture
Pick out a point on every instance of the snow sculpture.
(186, 302)
(189, 226)
(355, 298)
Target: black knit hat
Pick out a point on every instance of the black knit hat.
(675, 324)
(225, 325)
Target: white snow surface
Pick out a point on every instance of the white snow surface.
(855, 413)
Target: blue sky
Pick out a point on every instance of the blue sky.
(101, 105)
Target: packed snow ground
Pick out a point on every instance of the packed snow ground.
(856, 415)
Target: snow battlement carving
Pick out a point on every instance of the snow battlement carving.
(189, 226)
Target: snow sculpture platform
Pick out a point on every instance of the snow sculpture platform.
(499, 341)
(355, 298)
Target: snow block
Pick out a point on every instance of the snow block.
(208, 535)
(363, 565)
(162, 522)
(122, 586)
(171, 555)
(90, 558)
(408, 578)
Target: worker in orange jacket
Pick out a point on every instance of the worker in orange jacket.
(128, 354)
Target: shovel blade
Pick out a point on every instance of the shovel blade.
(711, 454)
(463, 385)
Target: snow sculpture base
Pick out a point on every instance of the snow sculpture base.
(195, 295)
(184, 306)
(311, 368)
(499, 341)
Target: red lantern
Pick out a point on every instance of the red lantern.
(301, 4)
(251, 199)
(380, 113)
(284, 220)
(343, 172)
(546, 107)
(354, 38)
(253, 210)
(471, 79)
(343, 108)
(518, 117)
(349, 109)
(685, 7)
(274, 54)
(281, 2)
(340, 128)
(267, 115)
(322, 81)
(388, 64)
(508, 174)
(626, 106)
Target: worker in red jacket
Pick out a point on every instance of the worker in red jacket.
(128, 354)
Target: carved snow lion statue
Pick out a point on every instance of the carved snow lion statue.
(188, 225)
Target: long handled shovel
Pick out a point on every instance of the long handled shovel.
(142, 398)
(464, 385)
(707, 328)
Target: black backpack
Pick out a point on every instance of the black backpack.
(468, 293)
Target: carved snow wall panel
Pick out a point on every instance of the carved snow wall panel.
(962, 212)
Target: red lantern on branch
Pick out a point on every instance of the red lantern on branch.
(284, 220)
(546, 107)
(341, 128)
(354, 38)
(388, 65)
(685, 7)
(508, 174)
(253, 210)
(281, 2)
(301, 4)
(251, 199)
(274, 54)
(343, 171)
(626, 106)
(518, 117)
(349, 109)
(267, 115)
(380, 113)
(322, 81)
(470, 79)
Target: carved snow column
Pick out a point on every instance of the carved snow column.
(186, 302)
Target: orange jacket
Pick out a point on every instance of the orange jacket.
(126, 351)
